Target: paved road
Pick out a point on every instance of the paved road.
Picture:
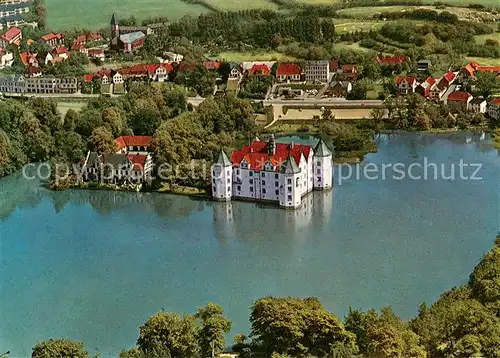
(195, 101)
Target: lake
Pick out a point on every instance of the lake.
(94, 265)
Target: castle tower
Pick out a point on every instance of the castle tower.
(322, 167)
(115, 27)
(272, 145)
(290, 185)
(222, 178)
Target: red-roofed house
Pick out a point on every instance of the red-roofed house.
(348, 72)
(259, 70)
(96, 53)
(33, 71)
(12, 36)
(142, 165)
(79, 48)
(424, 89)
(28, 59)
(60, 51)
(493, 108)
(53, 39)
(133, 144)
(458, 101)
(334, 65)
(447, 80)
(212, 65)
(467, 73)
(288, 72)
(494, 69)
(406, 84)
(391, 60)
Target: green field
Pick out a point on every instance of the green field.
(347, 25)
(67, 14)
(63, 107)
(481, 39)
(253, 56)
(236, 5)
(485, 61)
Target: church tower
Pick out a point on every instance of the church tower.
(222, 178)
(322, 167)
(115, 27)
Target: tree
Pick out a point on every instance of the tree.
(213, 326)
(112, 120)
(327, 115)
(69, 146)
(145, 117)
(296, 326)
(70, 120)
(59, 348)
(486, 82)
(358, 92)
(102, 141)
(36, 142)
(168, 331)
(496, 138)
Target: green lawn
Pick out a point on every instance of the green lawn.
(67, 14)
(485, 61)
(349, 25)
(236, 5)
(480, 39)
(493, 3)
(63, 107)
(253, 56)
(369, 11)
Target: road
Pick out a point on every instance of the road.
(195, 101)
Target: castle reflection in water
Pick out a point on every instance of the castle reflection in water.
(235, 218)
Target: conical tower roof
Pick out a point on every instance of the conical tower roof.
(223, 159)
(321, 149)
(289, 166)
(114, 19)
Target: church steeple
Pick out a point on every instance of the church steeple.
(115, 29)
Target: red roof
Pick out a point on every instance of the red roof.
(133, 140)
(287, 69)
(96, 51)
(257, 156)
(259, 69)
(392, 60)
(334, 65)
(470, 69)
(349, 68)
(186, 66)
(138, 160)
(430, 80)
(33, 70)
(81, 38)
(52, 36)
(450, 76)
(77, 47)
(459, 96)
(212, 65)
(409, 79)
(496, 101)
(26, 57)
(59, 50)
(488, 68)
(94, 36)
(11, 34)
(88, 77)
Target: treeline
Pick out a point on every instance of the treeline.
(463, 322)
(420, 14)
(33, 130)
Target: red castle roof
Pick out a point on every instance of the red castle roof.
(256, 154)
(287, 69)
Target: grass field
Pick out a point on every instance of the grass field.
(480, 39)
(63, 107)
(485, 61)
(235, 5)
(67, 14)
(347, 25)
(253, 56)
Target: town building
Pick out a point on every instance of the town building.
(6, 58)
(406, 84)
(212, 65)
(173, 57)
(424, 89)
(317, 71)
(493, 108)
(124, 40)
(259, 70)
(467, 73)
(28, 59)
(272, 172)
(288, 72)
(12, 36)
(37, 84)
(133, 144)
(478, 105)
(341, 88)
(348, 72)
(447, 80)
(458, 101)
(235, 73)
(53, 39)
(424, 65)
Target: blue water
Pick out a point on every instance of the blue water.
(92, 266)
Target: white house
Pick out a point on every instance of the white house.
(273, 172)
(6, 58)
(478, 105)
(406, 84)
(317, 71)
(173, 57)
(493, 108)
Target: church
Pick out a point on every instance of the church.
(126, 38)
(272, 172)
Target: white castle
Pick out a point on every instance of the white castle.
(274, 172)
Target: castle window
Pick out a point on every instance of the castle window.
(289, 189)
(237, 172)
(276, 184)
(228, 180)
(263, 190)
(239, 187)
(213, 181)
(276, 192)
(228, 190)
(251, 189)
(289, 197)
(319, 178)
(297, 182)
(276, 176)
(250, 173)
(318, 171)
(263, 182)
(289, 181)
(263, 174)
(251, 181)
